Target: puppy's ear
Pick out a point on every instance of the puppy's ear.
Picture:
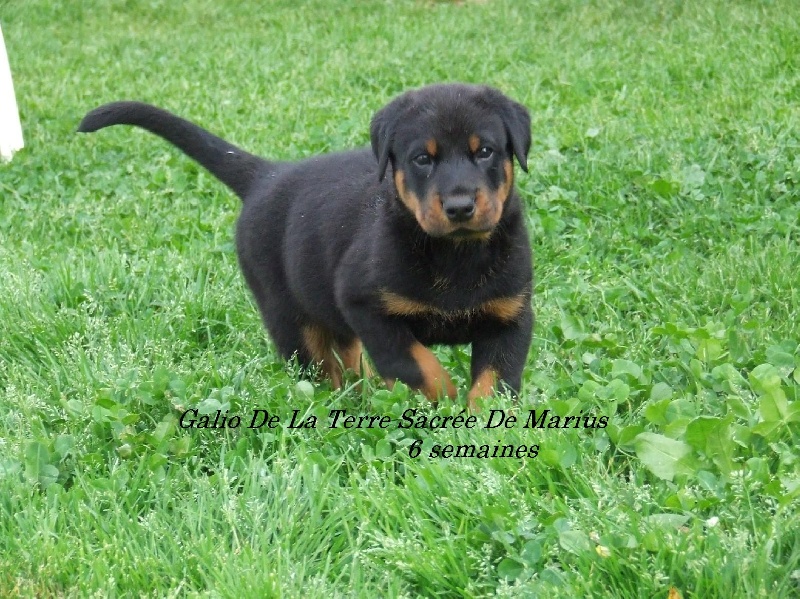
(383, 127)
(518, 125)
(381, 132)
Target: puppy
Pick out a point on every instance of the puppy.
(419, 241)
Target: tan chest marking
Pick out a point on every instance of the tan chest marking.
(504, 309)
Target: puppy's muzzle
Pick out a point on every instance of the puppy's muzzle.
(459, 208)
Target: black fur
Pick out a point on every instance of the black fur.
(420, 241)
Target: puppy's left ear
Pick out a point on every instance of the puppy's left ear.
(518, 126)
(381, 132)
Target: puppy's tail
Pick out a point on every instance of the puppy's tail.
(233, 166)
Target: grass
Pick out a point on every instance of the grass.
(664, 206)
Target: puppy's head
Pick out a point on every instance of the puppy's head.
(451, 148)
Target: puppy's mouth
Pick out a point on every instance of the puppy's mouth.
(458, 217)
(477, 226)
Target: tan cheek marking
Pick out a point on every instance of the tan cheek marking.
(483, 386)
(433, 216)
(489, 207)
(474, 143)
(436, 381)
(408, 198)
(505, 186)
(505, 308)
(483, 205)
(431, 146)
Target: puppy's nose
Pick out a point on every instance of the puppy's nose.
(459, 208)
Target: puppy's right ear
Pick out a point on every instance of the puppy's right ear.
(381, 133)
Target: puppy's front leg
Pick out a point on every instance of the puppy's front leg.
(423, 371)
(397, 354)
(499, 351)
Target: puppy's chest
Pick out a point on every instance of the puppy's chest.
(457, 292)
(453, 309)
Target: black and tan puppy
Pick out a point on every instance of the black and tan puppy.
(420, 241)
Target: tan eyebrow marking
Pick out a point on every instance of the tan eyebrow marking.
(431, 146)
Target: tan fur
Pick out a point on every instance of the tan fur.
(436, 381)
(332, 358)
(430, 213)
(482, 386)
(474, 143)
(505, 309)
(431, 147)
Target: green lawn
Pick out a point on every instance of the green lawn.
(664, 206)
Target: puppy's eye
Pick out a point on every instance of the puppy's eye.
(422, 160)
(484, 152)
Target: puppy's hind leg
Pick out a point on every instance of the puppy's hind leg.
(295, 334)
(352, 355)
(281, 316)
(313, 345)
(335, 354)
(318, 344)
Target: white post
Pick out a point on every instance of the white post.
(10, 127)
